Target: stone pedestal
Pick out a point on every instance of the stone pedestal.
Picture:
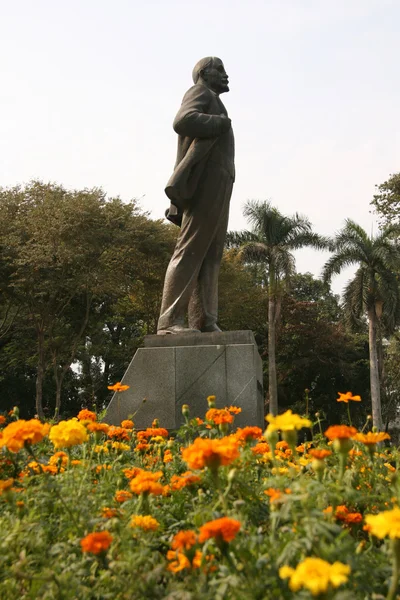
(173, 370)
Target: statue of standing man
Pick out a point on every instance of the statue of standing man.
(199, 190)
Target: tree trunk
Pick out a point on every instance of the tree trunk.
(272, 385)
(40, 375)
(374, 371)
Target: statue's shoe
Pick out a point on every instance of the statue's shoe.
(177, 330)
(211, 329)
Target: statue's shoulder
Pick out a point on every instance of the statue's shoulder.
(198, 92)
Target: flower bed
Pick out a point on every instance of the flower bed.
(91, 511)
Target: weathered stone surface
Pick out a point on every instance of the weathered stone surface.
(226, 365)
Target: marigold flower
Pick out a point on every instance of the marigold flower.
(219, 416)
(118, 433)
(20, 433)
(320, 454)
(248, 433)
(146, 482)
(131, 472)
(370, 438)
(315, 575)
(179, 561)
(109, 513)
(348, 396)
(221, 529)
(98, 542)
(68, 433)
(87, 415)
(147, 522)
(6, 484)
(180, 481)
(235, 410)
(2, 419)
(120, 446)
(386, 523)
(168, 456)
(59, 458)
(341, 432)
(211, 401)
(184, 540)
(199, 421)
(122, 496)
(287, 422)
(152, 432)
(274, 495)
(211, 453)
(95, 427)
(142, 446)
(127, 424)
(261, 448)
(118, 387)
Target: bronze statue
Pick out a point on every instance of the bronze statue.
(199, 190)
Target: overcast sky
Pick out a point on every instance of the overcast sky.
(89, 90)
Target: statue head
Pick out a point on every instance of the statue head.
(210, 71)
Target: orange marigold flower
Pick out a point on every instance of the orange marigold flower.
(87, 415)
(127, 424)
(320, 454)
(6, 484)
(178, 561)
(98, 427)
(221, 529)
(261, 448)
(118, 433)
(109, 513)
(146, 522)
(199, 421)
(348, 396)
(219, 416)
(370, 438)
(146, 482)
(122, 496)
(118, 387)
(2, 419)
(141, 446)
(274, 495)
(211, 453)
(248, 433)
(235, 410)
(131, 472)
(19, 433)
(59, 458)
(184, 540)
(168, 456)
(341, 432)
(98, 542)
(152, 432)
(180, 481)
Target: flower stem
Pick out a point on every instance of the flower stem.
(348, 414)
(396, 570)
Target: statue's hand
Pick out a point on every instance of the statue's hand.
(225, 123)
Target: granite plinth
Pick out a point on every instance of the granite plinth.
(174, 370)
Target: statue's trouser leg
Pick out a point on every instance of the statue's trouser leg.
(200, 243)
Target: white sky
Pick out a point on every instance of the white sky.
(89, 89)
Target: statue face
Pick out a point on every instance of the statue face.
(216, 78)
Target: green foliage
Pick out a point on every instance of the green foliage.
(387, 201)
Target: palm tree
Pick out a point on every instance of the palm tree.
(374, 290)
(269, 243)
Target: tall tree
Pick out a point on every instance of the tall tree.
(374, 290)
(270, 242)
(387, 201)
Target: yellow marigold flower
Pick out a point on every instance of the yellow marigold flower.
(103, 448)
(178, 562)
(348, 396)
(122, 496)
(59, 458)
(109, 513)
(287, 422)
(147, 522)
(120, 446)
(95, 543)
(390, 467)
(168, 456)
(341, 432)
(370, 438)
(146, 482)
(127, 424)
(211, 453)
(386, 523)
(315, 575)
(87, 415)
(118, 387)
(184, 540)
(6, 484)
(221, 529)
(68, 433)
(19, 433)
